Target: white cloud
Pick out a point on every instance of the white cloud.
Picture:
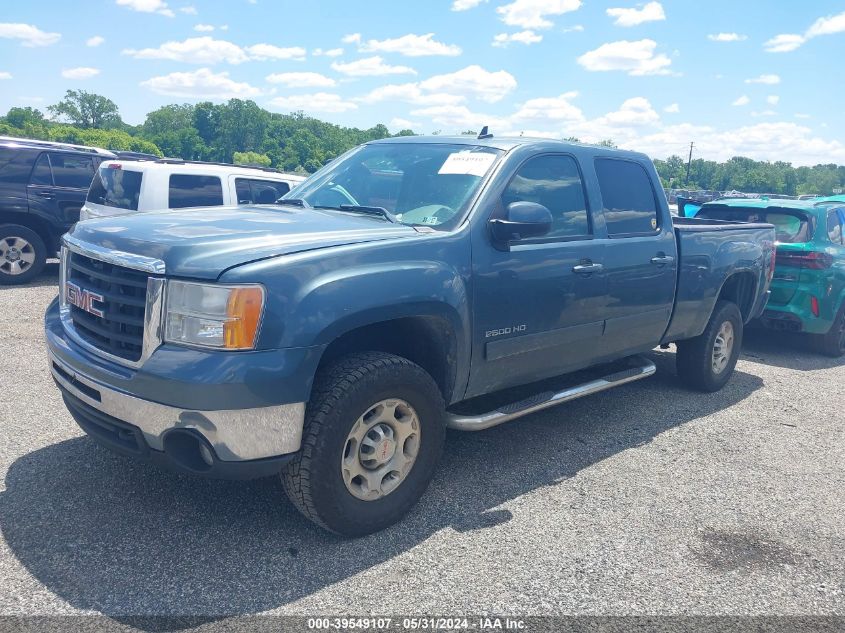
(464, 5)
(194, 50)
(770, 80)
(410, 45)
(207, 50)
(672, 108)
(28, 35)
(764, 113)
(147, 6)
(773, 100)
(634, 112)
(742, 101)
(531, 14)
(460, 117)
(352, 38)
(727, 37)
(94, 41)
(574, 29)
(473, 81)
(319, 102)
(636, 58)
(786, 42)
(411, 93)
(403, 124)
(204, 28)
(651, 12)
(263, 52)
(332, 52)
(83, 72)
(301, 80)
(549, 109)
(5, 75)
(223, 27)
(200, 84)
(523, 37)
(371, 67)
(189, 10)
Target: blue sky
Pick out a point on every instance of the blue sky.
(754, 78)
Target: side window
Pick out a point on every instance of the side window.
(41, 174)
(627, 196)
(188, 190)
(242, 191)
(72, 171)
(834, 226)
(554, 182)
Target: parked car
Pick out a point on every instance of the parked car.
(808, 291)
(127, 186)
(413, 284)
(42, 188)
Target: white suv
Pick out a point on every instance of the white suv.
(127, 186)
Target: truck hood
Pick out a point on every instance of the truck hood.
(204, 242)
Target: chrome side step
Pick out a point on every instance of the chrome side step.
(643, 368)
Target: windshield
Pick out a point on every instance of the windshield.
(791, 227)
(417, 184)
(113, 187)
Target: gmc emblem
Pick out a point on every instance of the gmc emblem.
(84, 299)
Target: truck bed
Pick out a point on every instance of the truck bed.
(710, 252)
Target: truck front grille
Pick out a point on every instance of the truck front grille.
(114, 324)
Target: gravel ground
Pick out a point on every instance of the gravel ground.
(647, 499)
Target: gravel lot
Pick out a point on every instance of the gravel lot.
(645, 499)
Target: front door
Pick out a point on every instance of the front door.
(538, 306)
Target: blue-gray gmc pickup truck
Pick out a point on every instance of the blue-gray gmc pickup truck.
(411, 285)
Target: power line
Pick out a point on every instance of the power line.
(689, 162)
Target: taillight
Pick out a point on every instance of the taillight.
(115, 166)
(812, 259)
(814, 305)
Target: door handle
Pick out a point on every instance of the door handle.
(662, 260)
(47, 194)
(587, 268)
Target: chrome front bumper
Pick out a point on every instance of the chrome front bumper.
(235, 435)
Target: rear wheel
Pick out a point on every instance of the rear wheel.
(706, 362)
(22, 254)
(374, 431)
(833, 343)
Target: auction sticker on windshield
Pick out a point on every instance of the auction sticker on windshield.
(467, 163)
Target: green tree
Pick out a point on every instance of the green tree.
(252, 158)
(87, 110)
(21, 117)
(169, 118)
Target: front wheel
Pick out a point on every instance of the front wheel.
(706, 362)
(22, 254)
(373, 434)
(833, 343)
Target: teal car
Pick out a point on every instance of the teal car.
(808, 289)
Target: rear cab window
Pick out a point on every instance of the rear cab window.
(791, 226)
(116, 187)
(189, 190)
(629, 204)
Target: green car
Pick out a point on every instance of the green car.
(808, 289)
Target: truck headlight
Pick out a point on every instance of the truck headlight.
(212, 315)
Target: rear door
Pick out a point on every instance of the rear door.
(41, 192)
(640, 261)
(72, 175)
(535, 314)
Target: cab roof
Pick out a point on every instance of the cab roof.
(506, 143)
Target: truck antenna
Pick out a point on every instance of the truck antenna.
(484, 133)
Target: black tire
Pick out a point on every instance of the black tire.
(34, 246)
(695, 357)
(833, 343)
(343, 392)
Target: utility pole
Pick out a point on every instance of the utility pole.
(689, 162)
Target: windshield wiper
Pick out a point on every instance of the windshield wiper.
(294, 202)
(368, 210)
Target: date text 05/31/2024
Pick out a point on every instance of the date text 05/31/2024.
(416, 624)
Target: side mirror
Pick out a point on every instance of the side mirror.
(522, 220)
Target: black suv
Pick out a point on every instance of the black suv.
(42, 188)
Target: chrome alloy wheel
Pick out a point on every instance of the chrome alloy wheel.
(380, 450)
(16, 255)
(723, 347)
